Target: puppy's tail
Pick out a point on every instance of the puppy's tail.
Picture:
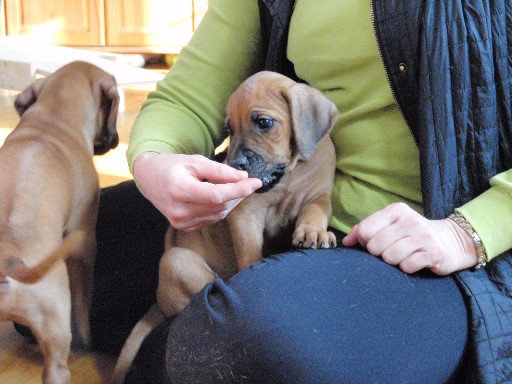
(13, 266)
(145, 325)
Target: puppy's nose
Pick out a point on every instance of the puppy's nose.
(242, 159)
(240, 162)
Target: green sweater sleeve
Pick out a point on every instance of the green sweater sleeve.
(185, 113)
(490, 215)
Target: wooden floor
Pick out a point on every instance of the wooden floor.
(21, 361)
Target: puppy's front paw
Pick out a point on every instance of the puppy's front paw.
(309, 236)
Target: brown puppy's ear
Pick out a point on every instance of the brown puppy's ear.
(29, 96)
(107, 137)
(312, 116)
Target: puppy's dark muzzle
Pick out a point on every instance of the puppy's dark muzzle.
(247, 160)
(256, 166)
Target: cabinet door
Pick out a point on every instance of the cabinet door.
(62, 22)
(2, 18)
(165, 25)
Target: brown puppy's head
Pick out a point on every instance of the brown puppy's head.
(68, 80)
(273, 122)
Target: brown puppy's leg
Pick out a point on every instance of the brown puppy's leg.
(53, 335)
(56, 353)
(81, 269)
(247, 236)
(311, 225)
(182, 273)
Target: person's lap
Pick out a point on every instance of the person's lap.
(319, 316)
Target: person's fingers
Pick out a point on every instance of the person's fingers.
(387, 237)
(216, 194)
(194, 223)
(421, 259)
(214, 172)
(351, 239)
(393, 215)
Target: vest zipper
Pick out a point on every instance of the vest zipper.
(372, 14)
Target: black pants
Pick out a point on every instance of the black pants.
(318, 316)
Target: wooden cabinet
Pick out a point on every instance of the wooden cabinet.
(62, 22)
(116, 25)
(152, 22)
(2, 19)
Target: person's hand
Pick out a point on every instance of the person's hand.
(191, 190)
(401, 236)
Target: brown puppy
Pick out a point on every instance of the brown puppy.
(49, 194)
(279, 133)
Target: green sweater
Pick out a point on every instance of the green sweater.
(377, 159)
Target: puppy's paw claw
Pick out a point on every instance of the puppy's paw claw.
(312, 237)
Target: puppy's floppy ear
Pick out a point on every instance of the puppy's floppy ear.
(312, 116)
(29, 96)
(107, 137)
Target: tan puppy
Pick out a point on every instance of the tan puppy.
(279, 133)
(49, 191)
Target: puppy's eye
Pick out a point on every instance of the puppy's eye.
(262, 121)
(265, 123)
